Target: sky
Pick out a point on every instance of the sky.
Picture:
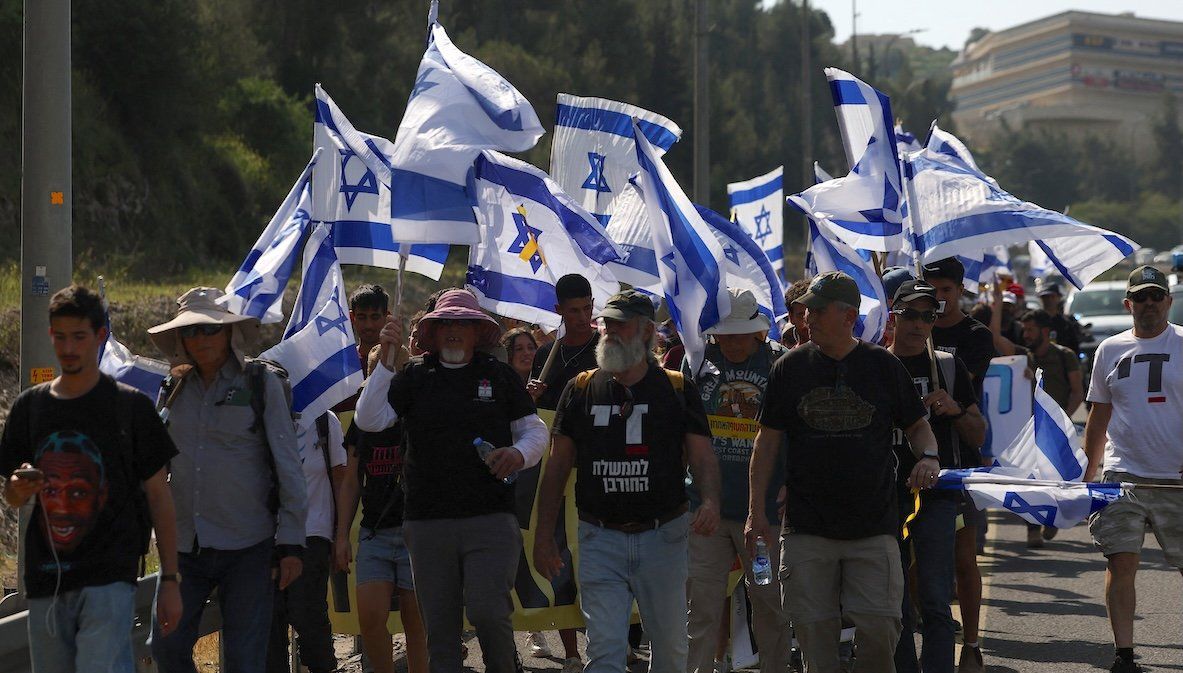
(945, 28)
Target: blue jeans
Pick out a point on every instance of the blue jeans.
(243, 580)
(931, 537)
(91, 630)
(651, 567)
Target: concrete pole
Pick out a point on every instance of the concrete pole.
(807, 157)
(46, 194)
(702, 108)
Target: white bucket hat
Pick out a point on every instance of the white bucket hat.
(745, 315)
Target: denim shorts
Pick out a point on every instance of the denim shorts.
(382, 556)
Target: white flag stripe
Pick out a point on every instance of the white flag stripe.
(758, 206)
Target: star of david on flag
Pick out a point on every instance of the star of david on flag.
(595, 177)
(365, 184)
(525, 246)
(758, 206)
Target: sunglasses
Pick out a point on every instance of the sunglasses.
(1153, 295)
(929, 316)
(190, 331)
(626, 405)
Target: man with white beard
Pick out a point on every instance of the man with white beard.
(627, 426)
(458, 517)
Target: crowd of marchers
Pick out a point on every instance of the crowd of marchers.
(802, 459)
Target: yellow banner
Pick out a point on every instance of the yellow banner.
(733, 428)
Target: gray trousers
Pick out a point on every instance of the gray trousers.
(466, 568)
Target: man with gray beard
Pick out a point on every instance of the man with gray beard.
(627, 426)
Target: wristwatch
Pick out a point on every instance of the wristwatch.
(931, 454)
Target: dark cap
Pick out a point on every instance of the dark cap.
(627, 305)
(832, 286)
(1147, 276)
(911, 290)
(1051, 288)
(894, 277)
(949, 268)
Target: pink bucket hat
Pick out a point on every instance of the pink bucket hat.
(459, 305)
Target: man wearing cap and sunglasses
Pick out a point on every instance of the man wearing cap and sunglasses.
(1135, 425)
(954, 417)
(834, 403)
(222, 480)
(628, 427)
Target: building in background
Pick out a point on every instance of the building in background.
(1077, 72)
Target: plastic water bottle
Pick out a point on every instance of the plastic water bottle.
(483, 449)
(761, 568)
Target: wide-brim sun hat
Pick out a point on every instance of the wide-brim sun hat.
(459, 305)
(199, 306)
(745, 316)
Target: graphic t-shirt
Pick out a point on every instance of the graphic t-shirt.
(972, 342)
(838, 416)
(1143, 380)
(732, 394)
(628, 443)
(444, 409)
(88, 518)
(319, 522)
(569, 361)
(379, 472)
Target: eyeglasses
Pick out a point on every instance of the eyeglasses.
(190, 331)
(1153, 295)
(929, 316)
(626, 406)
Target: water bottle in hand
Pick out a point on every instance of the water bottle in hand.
(483, 449)
(761, 568)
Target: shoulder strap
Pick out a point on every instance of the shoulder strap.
(677, 380)
(948, 370)
(322, 441)
(257, 384)
(582, 379)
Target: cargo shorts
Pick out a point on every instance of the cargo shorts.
(1120, 527)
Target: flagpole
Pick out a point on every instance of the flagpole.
(910, 199)
(403, 251)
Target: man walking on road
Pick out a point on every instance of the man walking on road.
(1135, 425)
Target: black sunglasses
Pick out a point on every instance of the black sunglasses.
(626, 406)
(1153, 295)
(190, 331)
(929, 316)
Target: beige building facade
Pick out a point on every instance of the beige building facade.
(1077, 72)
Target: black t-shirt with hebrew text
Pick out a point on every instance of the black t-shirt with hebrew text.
(379, 473)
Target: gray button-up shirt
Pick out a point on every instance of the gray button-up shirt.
(221, 478)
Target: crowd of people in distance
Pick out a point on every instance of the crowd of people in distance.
(805, 455)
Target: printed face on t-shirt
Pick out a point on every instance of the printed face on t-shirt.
(75, 489)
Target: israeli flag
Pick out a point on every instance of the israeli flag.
(748, 268)
(593, 153)
(629, 228)
(1048, 446)
(1080, 259)
(316, 285)
(957, 210)
(320, 354)
(1040, 265)
(532, 234)
(143, 374)
(690, 260)
(830, 254)
(758, 206)
(1060, 504)
(370, 225)
(257, 287)
(905, 141)
(982, 269)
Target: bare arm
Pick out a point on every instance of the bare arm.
(164, 522)
(1075, 391)
(1001, 343)
(348, 495)
(765, 451)
(1095, 431)
(550, 493)
(705, 467)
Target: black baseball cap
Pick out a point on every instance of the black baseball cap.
(627, 305)
(829, 287)
(1051, 288)
(911, 290)
(949, 268)
(1145, 277)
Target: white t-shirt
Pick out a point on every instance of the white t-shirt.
(1143, 380)
(320, 494)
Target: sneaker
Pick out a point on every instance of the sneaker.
(723, 666)
(572, 665)
(538, 646)
(1125, 666)
(971, 661)
(1049, 532)
(1034, 538)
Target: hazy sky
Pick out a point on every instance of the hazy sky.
(947, 22)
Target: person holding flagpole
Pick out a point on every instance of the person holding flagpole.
(575, 352)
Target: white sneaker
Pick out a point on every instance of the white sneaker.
(538, 646)
(573, 665)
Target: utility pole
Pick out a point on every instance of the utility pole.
(853, 36)
(702, 108)
(46, 193)
(806, 113)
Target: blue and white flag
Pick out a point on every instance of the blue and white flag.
(955, 209)
(830, 254)
(143, 374)
(370, 225)
(1080, 259)
(1060, 504)
(629, 228)
(748, 268)
(593, 154)
(905, 141)
(690, 260)
(319, 350)
(532, 234)
(982, 269)
(1039, 265)
(758, 206)
(1048, 446)
(257, 287)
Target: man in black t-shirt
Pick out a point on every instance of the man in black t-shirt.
(972, 343)
(94, 454)
(575, 352)
(1065, 330)
(459, 519)
(835, 402)
(954, 416)
(627, 427)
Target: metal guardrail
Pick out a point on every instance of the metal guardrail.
(14, 628)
